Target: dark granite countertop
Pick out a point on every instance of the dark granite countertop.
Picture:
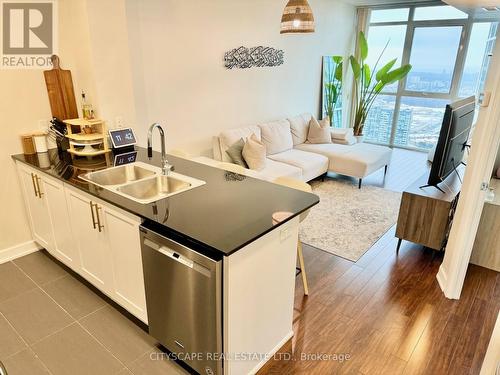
(220, 217)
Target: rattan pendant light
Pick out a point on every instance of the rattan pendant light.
(297, 17)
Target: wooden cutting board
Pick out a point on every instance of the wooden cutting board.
(61, 92)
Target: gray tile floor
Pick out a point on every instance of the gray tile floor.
(51, 323)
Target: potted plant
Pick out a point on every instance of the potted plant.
(333, 71)
(369, 82)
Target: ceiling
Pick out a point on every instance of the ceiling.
(381, 2)
(476, 7)
(470, 6)
(473, 3)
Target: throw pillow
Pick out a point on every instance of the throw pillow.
(319, 133)
(299, 126)
(349, 141)
(341, 134)
(325, 122)
(235, 153)
(254, 153)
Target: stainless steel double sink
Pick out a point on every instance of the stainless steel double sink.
(142, 182)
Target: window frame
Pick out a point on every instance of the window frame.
(411, 25)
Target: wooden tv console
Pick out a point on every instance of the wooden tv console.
(426, 214)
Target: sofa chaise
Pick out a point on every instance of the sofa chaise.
(290, 155)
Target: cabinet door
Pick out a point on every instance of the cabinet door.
(125, 247)
(36, 205)
(95, 263)
(64, 247)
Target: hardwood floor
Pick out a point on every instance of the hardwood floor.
(385, 314)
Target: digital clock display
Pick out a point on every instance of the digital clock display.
(126, 158)
(122, 137)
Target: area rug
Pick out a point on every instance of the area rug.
(348, 221)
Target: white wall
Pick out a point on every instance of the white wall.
(497, 163)
(491, 362)
(178, 73)
(480, 162)
(162, 61)
(24, 102)
(75, 49)
(110, 60)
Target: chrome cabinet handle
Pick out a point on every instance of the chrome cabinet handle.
(37, 179)
(92, 212)
(34, 184)
(99, 226)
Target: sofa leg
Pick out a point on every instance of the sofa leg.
(323, 177)
(359, 184)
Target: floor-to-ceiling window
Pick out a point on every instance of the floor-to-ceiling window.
(449, 51)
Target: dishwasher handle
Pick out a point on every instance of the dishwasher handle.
(175, 256)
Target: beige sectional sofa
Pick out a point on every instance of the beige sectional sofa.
(289, 154)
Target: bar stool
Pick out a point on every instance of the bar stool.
(303, 186)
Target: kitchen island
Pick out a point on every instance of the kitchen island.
(228, 219)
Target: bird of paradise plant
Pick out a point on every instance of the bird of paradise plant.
(368, 84)
(333, 84)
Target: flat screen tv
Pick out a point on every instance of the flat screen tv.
(453, 138)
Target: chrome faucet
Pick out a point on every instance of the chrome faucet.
(166, 167)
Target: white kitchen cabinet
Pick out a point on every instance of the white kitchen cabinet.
(96, 239)
(63, 247)
(110, 251)
(125, 248)
(36, 204)
(90, 239)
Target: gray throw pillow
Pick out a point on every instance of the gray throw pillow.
(235, 152)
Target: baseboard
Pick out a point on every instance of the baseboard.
(282, 346)
(19, 250)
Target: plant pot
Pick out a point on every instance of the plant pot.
(359, 138)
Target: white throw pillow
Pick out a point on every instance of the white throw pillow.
(341, 134)
(254, 153)
(349, 141)
(319, 132)
(276, 136)
(216, 148)
(299, 126)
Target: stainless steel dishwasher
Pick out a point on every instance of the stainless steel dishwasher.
(183, 296)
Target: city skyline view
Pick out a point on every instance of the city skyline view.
(434, 52)
(420, 119)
